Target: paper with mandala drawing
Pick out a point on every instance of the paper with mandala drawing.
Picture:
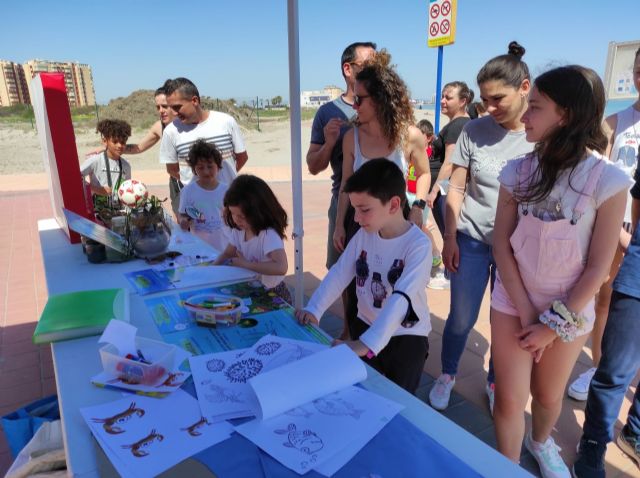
(323, 434)
(222, 379)
(145, 436)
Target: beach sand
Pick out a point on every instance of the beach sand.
(22, 169)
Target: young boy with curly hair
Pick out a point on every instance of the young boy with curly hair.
(108, 169)
(201, 201)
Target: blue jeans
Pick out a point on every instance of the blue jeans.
(468, 285)
(619, 363)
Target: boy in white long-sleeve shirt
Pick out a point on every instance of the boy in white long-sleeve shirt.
(390, 259)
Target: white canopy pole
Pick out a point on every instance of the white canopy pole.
(296, 145)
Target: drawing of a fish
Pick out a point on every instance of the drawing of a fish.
(298, 412)
(336, 407)
(306, 441)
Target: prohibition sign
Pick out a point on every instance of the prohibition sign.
(444, 26)
(434, 28)
(446, 8)
(435, 10)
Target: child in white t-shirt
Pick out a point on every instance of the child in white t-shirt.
(255, 242)
(390, 259)
(108, 169)
(201, 200)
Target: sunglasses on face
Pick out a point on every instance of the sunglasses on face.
(357, 99)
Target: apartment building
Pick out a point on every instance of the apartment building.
(14, 89)
(77, 78)
(15, 81)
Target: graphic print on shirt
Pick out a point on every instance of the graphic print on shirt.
(626, 157)
(207, 219)
(378, 290)
(549, 210)
(483, 162)
(362, 269)
(395, 272)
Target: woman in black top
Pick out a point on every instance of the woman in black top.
(455, 98)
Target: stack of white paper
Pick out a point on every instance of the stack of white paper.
(222, 379)
(309, 414)
(145, 436)
(324, 434)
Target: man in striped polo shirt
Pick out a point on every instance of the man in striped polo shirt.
(193, 123)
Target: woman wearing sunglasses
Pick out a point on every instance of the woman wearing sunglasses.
(384, 128)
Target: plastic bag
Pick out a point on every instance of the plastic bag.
(44, 453)
(20, 426)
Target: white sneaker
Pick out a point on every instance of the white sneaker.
(439, 282)
(441, 391)
(548, 457)
(490, 389)
(579, 389)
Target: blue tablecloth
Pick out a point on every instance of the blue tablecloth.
(399, 450)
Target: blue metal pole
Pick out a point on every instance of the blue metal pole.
(436, 127)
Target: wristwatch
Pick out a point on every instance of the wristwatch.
(421, 203)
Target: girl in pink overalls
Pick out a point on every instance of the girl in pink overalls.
(555, 234)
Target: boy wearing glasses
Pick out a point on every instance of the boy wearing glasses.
(193, 123)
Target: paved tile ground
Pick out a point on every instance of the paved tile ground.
(26, 371)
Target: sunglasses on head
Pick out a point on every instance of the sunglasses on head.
(357, 99)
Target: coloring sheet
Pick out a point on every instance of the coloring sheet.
(145, 436)
(323, 434)
(219, 398)
(302, 381)
(222, 379)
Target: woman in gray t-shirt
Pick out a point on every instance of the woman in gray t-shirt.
(483, 148)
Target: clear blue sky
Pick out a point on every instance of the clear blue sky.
(239, 48)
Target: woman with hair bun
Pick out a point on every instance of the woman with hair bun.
(481, 151)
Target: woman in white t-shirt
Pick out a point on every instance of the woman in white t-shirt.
(553, 245)
(257, 221)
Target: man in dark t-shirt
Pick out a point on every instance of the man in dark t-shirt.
(329, 125)
(331, 122)
(446, 138)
